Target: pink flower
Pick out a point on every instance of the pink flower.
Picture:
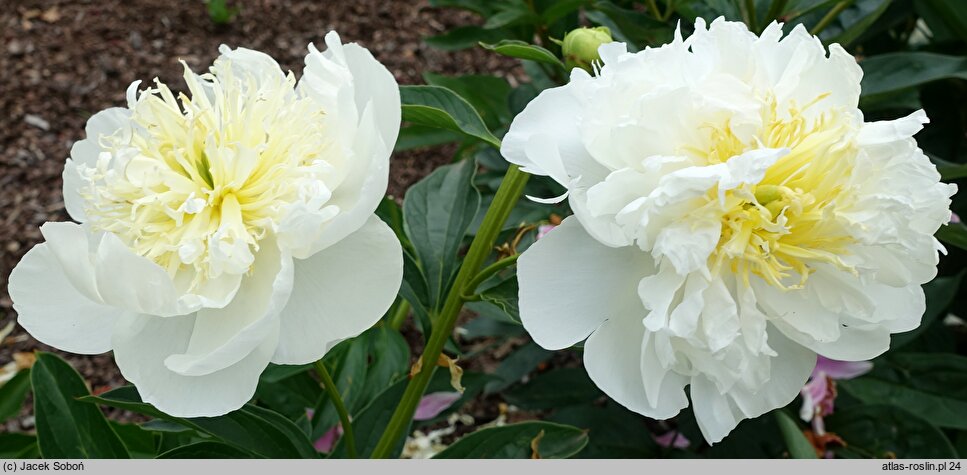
(543, 229)
(328, 440)
(954, 219)
(433, 404)
(819, 394)
(672, 439)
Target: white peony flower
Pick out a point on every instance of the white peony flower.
(733, 217)
(223, 230)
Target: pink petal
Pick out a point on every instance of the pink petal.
(543, 229)
(433, 404)
(672, 439)
(841, 369)
(328, 440)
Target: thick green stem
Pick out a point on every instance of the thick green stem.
(507, 195)
(399, 315)
(826, 20)
(333, 391)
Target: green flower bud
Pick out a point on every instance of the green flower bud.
(580, 46)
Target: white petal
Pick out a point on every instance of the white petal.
(106, 271)
(717, 414)
(141, 345)
(621, 360)
(84, 152)
(550, 120)
(339, 292)
(886, 131)
(129, 281)
(53, 311)
(244, 61)
(223, 336)
(570, 283)
(374, 84)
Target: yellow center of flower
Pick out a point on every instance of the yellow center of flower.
(782, 226)
(203, 179)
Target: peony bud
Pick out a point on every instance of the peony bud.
(580, 46)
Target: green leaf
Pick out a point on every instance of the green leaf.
(372, 420)
(554, 389)
(797, 443)
(389, 361)
(437, 212)
(613, 431)
(511, 14)
(206, 450)
(13, 393)
(518, 364)
(290, 395)
(631, 25)
(504, 297)
(275, 373)
(18, 446)
(67, 428)
(419, 136)
(883, 431)
(949, 171)
(141, 443)
(464, 37)
(950, 13)
(560, 8)
(415, 288)
(954, 234)
(487, 94)
(756, 438)
(523, 50)
(261, 431)
(435, 106)
(895, 71)
(515, 441)
(931, 385)
(854, 21)
(490, 322)
(940, 293)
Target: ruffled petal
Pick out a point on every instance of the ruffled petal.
(54, 311)
(339, 292)
(570, 283)
(223, 336)
(143, 343)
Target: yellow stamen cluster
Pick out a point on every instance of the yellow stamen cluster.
(204, 178)
(779, 228)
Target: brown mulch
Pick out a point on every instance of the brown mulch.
(62, 61)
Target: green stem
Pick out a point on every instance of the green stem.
(488, 271)
(336, 399)
(399, 315)
(654, 9)
(826, 20)
(507, 195)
